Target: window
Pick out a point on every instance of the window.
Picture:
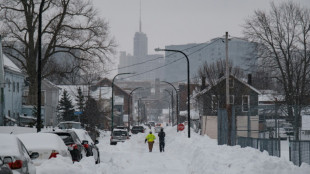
(214, 103)
(13, 86)
(231, 99)
(245, 103)
(17, 84)
(231, 82)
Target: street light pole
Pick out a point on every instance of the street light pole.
(129, 105)
(188, 87)
(39, 67)
(171, 95)
(112, 111)
(177, 102)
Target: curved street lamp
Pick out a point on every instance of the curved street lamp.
(188, 87)
(112, 111)
(129, 105)
(171, 95)
(177, 100)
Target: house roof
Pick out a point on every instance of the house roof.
(223, 78)
(7, 63)
(110, 82)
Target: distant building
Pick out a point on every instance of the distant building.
(141, 62)
(240, 51)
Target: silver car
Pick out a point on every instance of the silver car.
(14, 153)
(119, 135)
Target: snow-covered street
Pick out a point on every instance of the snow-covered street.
(196, 155)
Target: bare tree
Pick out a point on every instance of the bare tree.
(284, 37)
(69, 26)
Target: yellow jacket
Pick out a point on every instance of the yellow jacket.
(150, 137)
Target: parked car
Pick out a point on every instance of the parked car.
(46, 144)
(15, 155)
(5, 168)
(122, 127)
(137, 129)
(152, 123)
(73, 142)
(69, 125)
(118, 135)
(89, 145)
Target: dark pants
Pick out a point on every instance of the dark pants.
(151, 145)
(162, 146)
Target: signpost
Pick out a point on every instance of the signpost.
(181, 127)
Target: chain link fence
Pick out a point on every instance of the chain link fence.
(272, 146)
(299, 152)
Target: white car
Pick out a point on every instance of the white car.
(48, 146)
(88, 143)
(69, 125)
(15, 154)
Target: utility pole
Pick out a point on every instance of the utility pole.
(228, 107)
(39, 68)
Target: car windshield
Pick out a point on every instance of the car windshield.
(120, 133)
(70, 126)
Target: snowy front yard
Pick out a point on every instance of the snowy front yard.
(182, 155)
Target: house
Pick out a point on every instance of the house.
(244, 101)
(49, 99)
(12, 93)
(120, 97)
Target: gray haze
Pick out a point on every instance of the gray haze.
(171, 22)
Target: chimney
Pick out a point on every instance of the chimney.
(203, 83)
(250, 79)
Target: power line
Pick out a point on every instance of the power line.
(172, 61)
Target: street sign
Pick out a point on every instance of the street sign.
(181, 127)
(78, 113)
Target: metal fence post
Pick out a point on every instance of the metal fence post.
(299, 154)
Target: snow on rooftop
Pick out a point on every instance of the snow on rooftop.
(9, 64)
(72, 91)
(104, 92)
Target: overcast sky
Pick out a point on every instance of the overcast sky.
(168, 22)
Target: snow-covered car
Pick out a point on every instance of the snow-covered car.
(46, 144)
(4, 168)
(15, 154)
(88, 143)
(73, 142)
(69, 125)
(118, 135)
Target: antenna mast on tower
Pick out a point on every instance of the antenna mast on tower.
(140, 26)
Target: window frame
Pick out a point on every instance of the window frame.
(248, 103)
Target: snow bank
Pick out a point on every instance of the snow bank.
(206, 156)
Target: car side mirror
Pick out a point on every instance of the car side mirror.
(96, 142)
(7, 160)
(84, 142)
(34, 155)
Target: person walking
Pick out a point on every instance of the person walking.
(150, 138)
(161, 136)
